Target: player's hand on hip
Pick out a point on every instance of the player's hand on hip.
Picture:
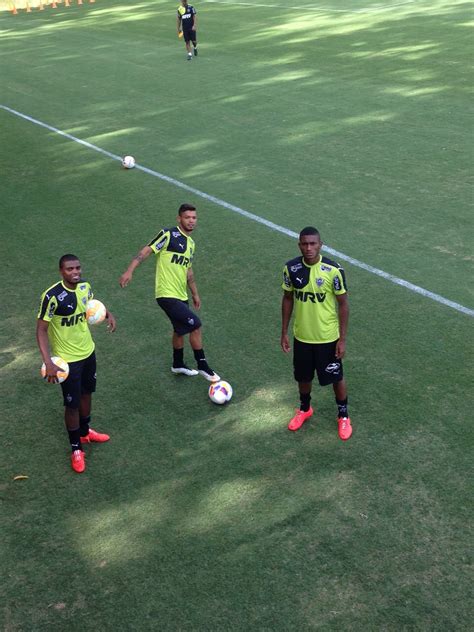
(285, 343)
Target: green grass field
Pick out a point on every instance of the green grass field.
(353, 116)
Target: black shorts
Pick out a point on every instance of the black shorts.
(308, 358)
(190, 36)
(81, 380)
(184, 321)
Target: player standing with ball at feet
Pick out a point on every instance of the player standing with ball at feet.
(174, 249)
(62, 330)
(315, 287)
(186, 22)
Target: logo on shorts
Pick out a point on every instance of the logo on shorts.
(95, 376)
(334, 367)
(319, 282)
(191, 321)
(69, 398)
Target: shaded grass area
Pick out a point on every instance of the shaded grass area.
(196, 517)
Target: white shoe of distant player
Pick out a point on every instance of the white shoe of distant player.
(183, 370)
(210, 375)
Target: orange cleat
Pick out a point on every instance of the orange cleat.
(78, 461)
(95, 437)
(299, 419)
(345, 428)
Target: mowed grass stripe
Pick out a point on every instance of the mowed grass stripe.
(256, 218)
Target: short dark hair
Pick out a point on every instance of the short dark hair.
(65, 258)
(309, 230)
(186, 207)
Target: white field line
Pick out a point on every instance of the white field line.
(255, 218)
(311, 7)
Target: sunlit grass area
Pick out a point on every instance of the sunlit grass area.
(353, 116)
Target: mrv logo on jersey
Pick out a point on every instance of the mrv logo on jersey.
(310, 296)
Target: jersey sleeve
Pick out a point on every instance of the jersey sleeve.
(48, 306)
(160, 241)
(339, 282)
(287, 284)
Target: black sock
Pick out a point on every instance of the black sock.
(178, 358)
(342, 407)
(199, 356)
(84, 425)
(305, 399)
(75, 439)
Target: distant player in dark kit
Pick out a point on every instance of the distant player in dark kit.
(62, 330)
(174, 249)
(315, 287)
(186, 22)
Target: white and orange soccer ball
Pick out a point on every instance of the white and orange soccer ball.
(95, 312)
(128, 162)
(62, 374)
(220, 392)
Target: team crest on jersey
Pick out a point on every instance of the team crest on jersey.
(325, 268)
(82, 287)
(319, 282)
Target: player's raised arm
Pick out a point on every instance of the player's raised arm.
(135, 262)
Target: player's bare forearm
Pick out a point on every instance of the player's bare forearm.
(286, 312)
(343, 316)
(42, 340)
(135, 262)
(193, 288)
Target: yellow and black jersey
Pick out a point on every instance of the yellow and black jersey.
(175, 252)
(314, 291)
(65, 311)
(186, 15)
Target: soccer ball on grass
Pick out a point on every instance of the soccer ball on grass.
(220, 392)
(128, 162)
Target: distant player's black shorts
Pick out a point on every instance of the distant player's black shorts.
(190, 36)
(81, 380)
(320, 358)
(184, 321)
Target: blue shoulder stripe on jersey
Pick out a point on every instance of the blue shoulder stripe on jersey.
(337, 265)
